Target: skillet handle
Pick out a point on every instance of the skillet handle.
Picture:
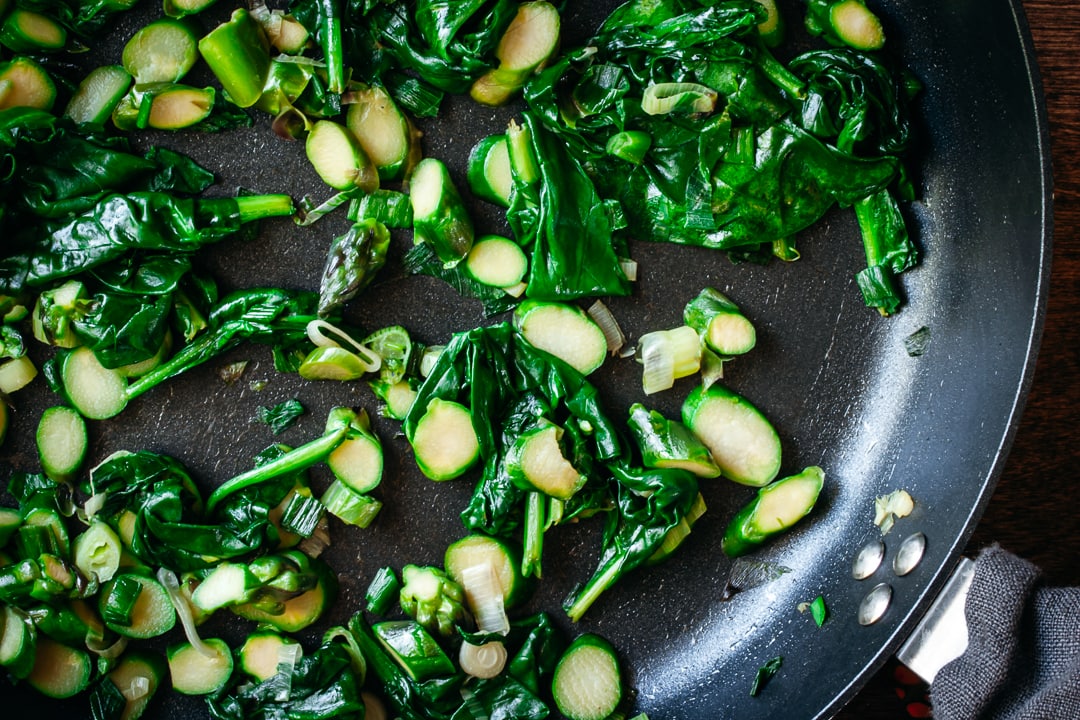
(941, 636)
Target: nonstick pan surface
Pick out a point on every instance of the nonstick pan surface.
(832, 375)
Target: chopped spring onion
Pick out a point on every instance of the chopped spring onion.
(629, 145)
(107, 650)
(309, 213)
(475, 708)
(602, 316)
(712, 367)
(764, 674)
(318, 541)
(485, 596)
(168, 580)
(516, 290)
(664, 98)
(482, 661)
(139, 687)
(888, 508)
(629, 268)
(349, 506)
(93, 505)
(323, 334)
(429, 357)
(288, 655)
(668, 355)
(352, 647)
(302, 515)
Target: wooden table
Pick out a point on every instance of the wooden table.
(1032, 512)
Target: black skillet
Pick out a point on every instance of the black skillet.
(833, 376)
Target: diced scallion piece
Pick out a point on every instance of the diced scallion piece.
(337, 157)
(887, 508)
(776, 508)
(764, 674)
(382, 592)
(332, 363)
(629, 145)
(667, 355)
(137, 676)
(139, 606)
(527, 43)
(667, 98)
(390, 207)
(350, 506)
(439, 216)
(588, 683)
(302, 515)
(479, 550)
(565, 331)
(819, 611)
(97, 551)
(482, 661)
(413, 648)
(743, 443)
(605, 320)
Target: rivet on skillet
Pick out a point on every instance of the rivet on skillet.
(868, 560)
(874, 605)
(910, 554)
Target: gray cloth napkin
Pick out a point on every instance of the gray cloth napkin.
(1023, 655)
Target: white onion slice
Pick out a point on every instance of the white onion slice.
(603, 317)
(485, 595)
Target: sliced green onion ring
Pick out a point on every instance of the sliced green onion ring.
(664, 98)
(323, 334)
(482, 661)
(603, 317)
(168, 580)
(485, 595)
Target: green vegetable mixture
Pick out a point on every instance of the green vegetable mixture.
(678, 121)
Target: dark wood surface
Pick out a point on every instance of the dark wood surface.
(1033, 511)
